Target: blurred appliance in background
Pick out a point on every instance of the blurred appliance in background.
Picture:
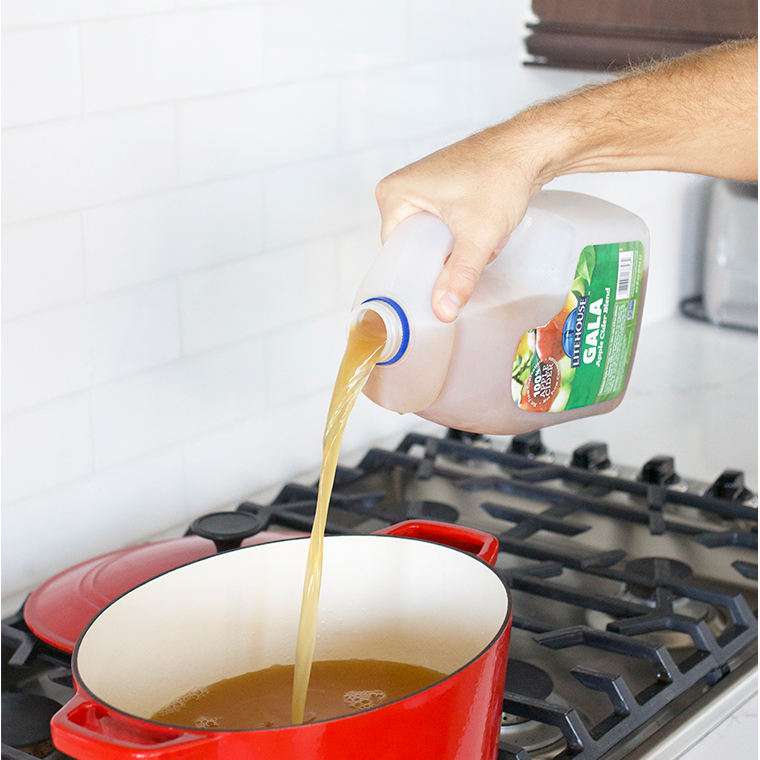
(729, 264)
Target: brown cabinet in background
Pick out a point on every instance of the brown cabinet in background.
(612, 34)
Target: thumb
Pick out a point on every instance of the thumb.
(460, 275)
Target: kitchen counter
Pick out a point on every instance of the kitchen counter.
(692, 395)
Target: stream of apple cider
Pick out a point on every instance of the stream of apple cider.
(366, 341)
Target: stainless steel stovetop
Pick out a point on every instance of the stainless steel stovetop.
(635, 592)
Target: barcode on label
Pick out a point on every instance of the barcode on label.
(625, 267)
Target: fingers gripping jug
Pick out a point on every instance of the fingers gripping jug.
(549, 334)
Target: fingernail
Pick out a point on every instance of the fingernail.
(450, 305)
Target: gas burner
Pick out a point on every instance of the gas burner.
(655, 569)
(432, 510)
(418, 509)
(529, 682)
(530, 735)
(465, 442)
(26, 722)
(661, 569)
(452, 434)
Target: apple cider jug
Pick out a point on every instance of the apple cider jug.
(548, 335)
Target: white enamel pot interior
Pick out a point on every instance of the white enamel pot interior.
(383, 597)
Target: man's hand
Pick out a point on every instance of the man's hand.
(480, 187)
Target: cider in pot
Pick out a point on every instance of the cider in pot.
(262, 699)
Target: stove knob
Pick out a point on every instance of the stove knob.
(729, 485)
(591, 456)
(527, 445)
(227, 529)
(659, 471)
(462, 436)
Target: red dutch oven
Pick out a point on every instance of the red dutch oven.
(419, 592)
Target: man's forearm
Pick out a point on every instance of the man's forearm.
(695, 114)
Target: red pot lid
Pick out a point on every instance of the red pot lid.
(60, 609)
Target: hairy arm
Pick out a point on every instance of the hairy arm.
(694, 114)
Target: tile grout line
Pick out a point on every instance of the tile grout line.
(338, 74)
(93, 297)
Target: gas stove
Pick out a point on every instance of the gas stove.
(634, 591)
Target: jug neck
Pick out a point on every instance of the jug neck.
(396, 326)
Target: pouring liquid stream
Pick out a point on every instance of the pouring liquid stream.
(366, 341)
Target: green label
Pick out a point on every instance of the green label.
(581, 356)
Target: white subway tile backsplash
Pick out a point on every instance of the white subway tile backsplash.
(357, 249)
(208, 3)
(408, 101)
(154, 409)
(324, 197)
(234, 134)
(152, 59)
(17, 13)
(44, 356)
(46, 447)
(57, 352)
(41, 79)
(134, 330)
(269, 449)
(188, 208)
(446, 28)
(370, 422)
(247, 298)
(498, 94)
(103, 512)
(43, 264)
(309, 38)
(73, 164)
(167, 234)
(280, 445)
(304, 358)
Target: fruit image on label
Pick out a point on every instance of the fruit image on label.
(581, 356)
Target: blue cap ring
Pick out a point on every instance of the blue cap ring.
(404, 329)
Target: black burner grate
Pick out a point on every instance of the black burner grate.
(542, 514)
(567, 494)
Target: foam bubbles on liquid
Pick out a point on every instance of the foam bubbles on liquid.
(204, 721)
(364, 700)
(180, 702)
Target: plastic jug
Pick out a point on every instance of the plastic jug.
(549, 334)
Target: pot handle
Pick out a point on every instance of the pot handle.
(86, 728)
(483, 545)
